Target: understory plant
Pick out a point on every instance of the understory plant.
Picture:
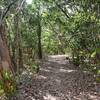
(7, 84)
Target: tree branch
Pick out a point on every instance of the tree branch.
(59, 6)
(4, 13)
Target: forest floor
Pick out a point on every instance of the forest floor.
(57, 80)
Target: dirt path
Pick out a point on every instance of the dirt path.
(57, 80)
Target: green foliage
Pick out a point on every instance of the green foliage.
(34, 67)
(1, 87)
(79, 32)
(7, 84)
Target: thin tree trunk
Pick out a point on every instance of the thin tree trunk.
(39, 38)
(17, 48)
(20, 55)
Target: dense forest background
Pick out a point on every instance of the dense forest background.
(29, 32)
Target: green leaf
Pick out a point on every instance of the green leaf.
(93, 54)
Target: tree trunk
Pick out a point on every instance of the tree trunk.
(39, 38)
(5, 60)
(20, 56)
(17, 48)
